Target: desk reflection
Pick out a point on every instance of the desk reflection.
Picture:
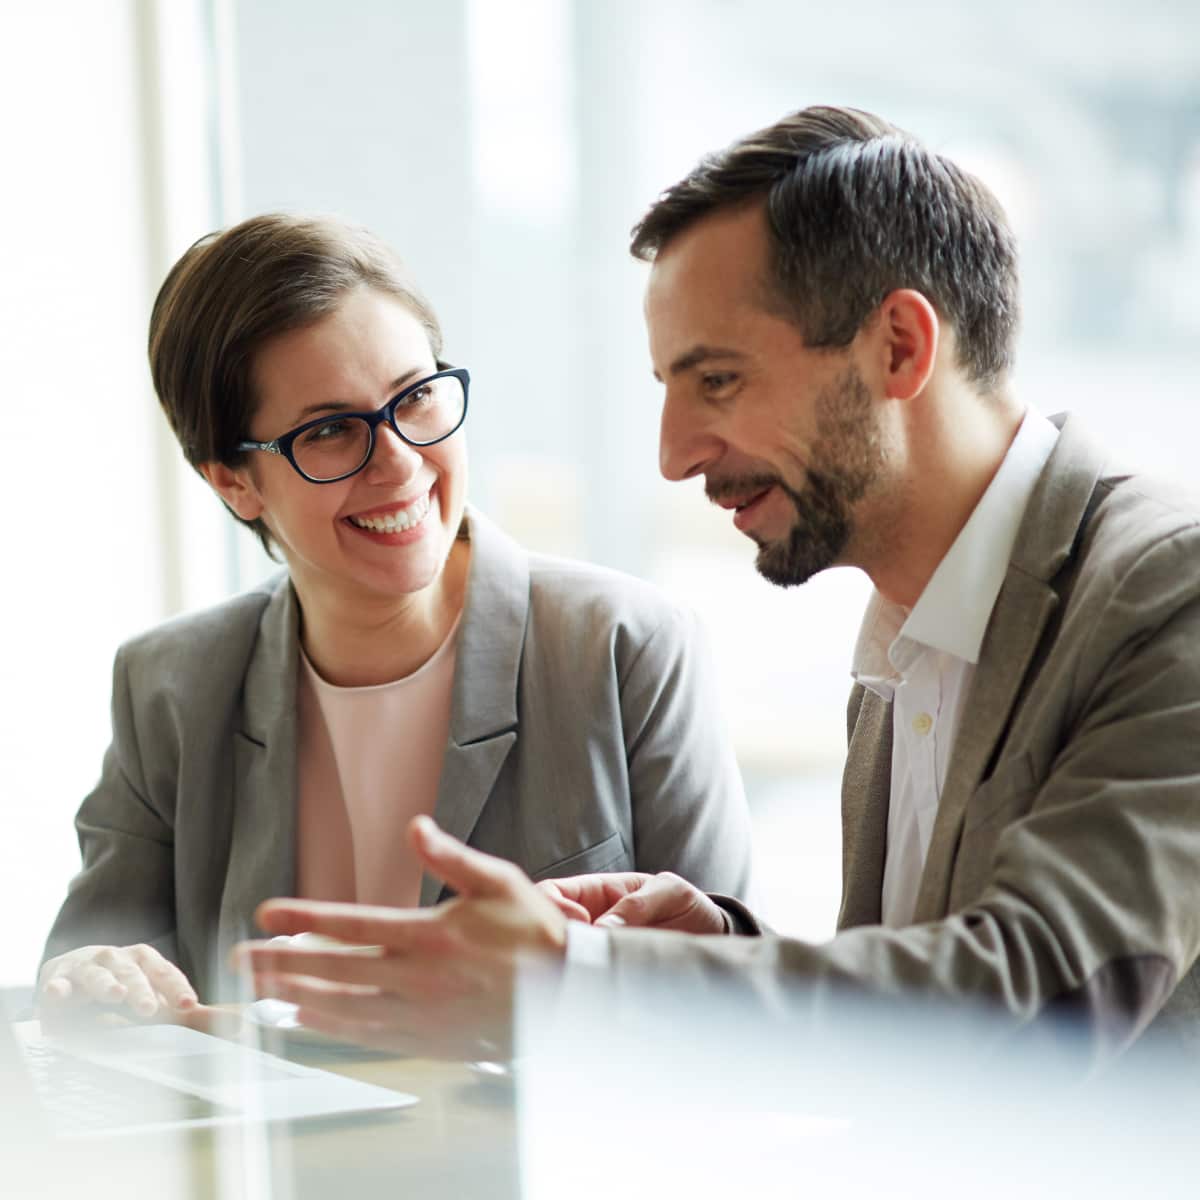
(457, 1141)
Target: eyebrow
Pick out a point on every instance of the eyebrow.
(697, 355)
(332, 406)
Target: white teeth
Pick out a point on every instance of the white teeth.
(398, 521)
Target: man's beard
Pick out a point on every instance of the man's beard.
(845, 461)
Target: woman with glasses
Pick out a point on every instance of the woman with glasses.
(411, 659)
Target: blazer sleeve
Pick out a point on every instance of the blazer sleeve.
(124, 892)
(689, 807)
(1091, 907)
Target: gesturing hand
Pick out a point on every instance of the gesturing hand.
(663, 901)
(441, 980)
(136, 981)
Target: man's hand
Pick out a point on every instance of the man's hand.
(663, 901)
(441, 982)
(93, 982)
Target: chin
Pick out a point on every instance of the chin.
(787, 563)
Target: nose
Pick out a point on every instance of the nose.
(392, 460)
(686, 443)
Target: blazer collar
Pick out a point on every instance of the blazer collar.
(269, 697)
(1047, 538)
(1050, 529)
(491, 635)
(483, 704)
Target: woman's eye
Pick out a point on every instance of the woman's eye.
(417, 397)
(330, 431)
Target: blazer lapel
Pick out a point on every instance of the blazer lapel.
(866, 789)
(483, 706)
(1045, 540)
(262, 858)
(1022, 610)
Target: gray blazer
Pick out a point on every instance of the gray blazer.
(584, 736)
(1064, 867)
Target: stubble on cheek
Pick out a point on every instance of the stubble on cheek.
(845, 463)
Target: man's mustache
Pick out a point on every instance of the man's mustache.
(735, 487)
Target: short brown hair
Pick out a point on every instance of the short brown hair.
(856, 208)
(235, 290)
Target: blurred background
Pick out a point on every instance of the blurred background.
(505, 147)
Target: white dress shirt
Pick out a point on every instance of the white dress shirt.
(923, 660)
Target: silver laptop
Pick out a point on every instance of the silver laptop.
(148, 1078)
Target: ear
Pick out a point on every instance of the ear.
(235, 487)
(909, 329)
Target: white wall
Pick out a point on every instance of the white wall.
(106, 532)
(82, 569)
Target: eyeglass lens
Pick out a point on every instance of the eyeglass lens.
(341, 445)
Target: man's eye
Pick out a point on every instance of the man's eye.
(718, 381)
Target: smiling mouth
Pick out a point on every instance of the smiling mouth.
(739, 504)
(736, 493)
(398, 520)
(742, 505)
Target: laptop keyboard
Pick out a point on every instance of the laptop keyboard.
(83, 1097)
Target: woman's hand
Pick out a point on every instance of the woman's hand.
(663, 901)
(130, 981)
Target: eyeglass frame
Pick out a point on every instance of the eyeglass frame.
(282, 445)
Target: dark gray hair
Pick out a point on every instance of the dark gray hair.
(856, 208)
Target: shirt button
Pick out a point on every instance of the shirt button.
(922, 723)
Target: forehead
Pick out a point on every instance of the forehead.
(349, 354)
(707, 283)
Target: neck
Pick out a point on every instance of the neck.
(952, 452)
(368, 638)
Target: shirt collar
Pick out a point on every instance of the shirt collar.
(952, 613)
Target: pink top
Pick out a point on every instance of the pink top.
(369, 760)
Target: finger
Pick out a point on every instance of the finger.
(666, 902)
(166, 978)
(367, 1007)
(469, 872)
(598, 893)
(98, 983)
(361, 924)
(569, 908)
(266, 959)
(651, 903)
(57, 991)
(216, 1021)
(385, 1023)
(345, 1029)
(615, 883)
(404, 978)
(139, 995)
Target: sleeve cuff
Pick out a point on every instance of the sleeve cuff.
(738, 918)
(587, 946)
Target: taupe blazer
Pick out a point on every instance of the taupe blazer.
(584, 736)
(1064, 867)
